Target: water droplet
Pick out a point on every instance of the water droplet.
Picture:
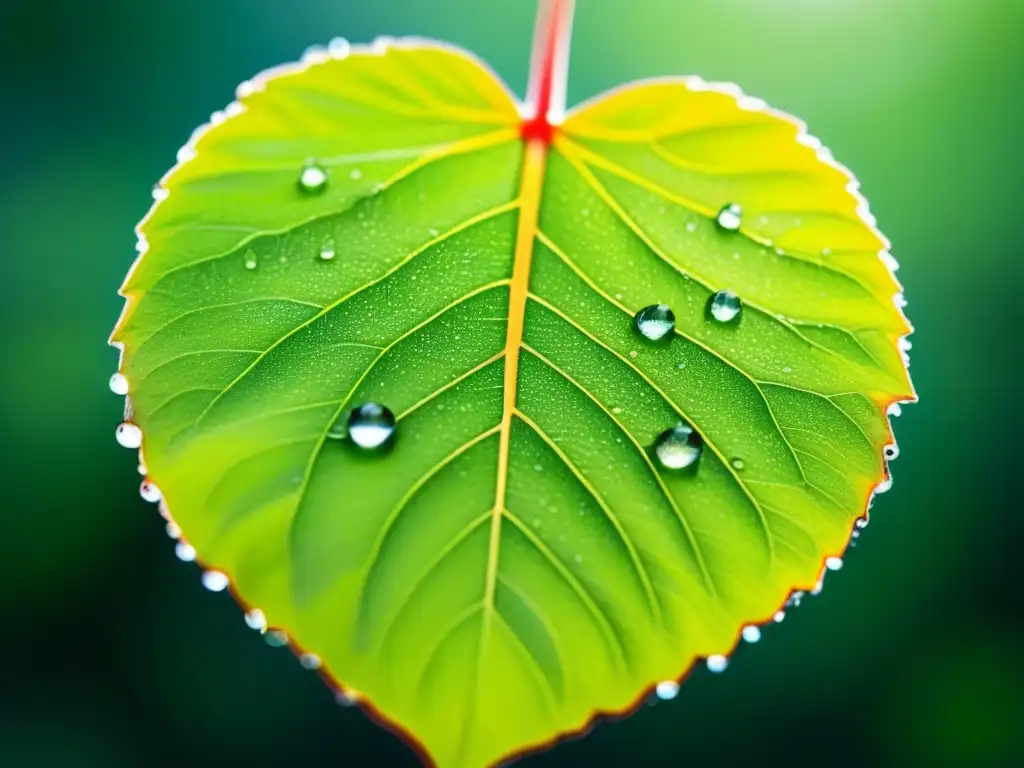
(633, 353)
(751, 633)
(681, 366)
(738, 464)
(313, 178)
(172, 530)
(185, 552)
(346, 698)
(678, 447)
(119, 384)
(891, 452)
(250, 259)
(730, 217)
(667, 690)
(779, 616)
(275, 638)
(787, 369)
(655, 322)
(309, 661)
(142, 469)
(834, 563)
(129, 435)
(355, 174)
(691, 226)
(215, 581)
(725, 307)
(149, 492)
(862, 522)
(370, 426)
(895, 409)
(255, 619)
(327, 249)
(717, 663)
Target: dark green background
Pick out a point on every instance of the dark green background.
(112, 653)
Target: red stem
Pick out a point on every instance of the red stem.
(549, 69)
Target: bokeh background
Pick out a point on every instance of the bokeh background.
(111, 653)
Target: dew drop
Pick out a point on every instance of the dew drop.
(346, 699)
(149, 492)
(185, 552)
(738, 464)
(355, 174)
(862, 522)
(667, 690)
(655, 322)
(779, 616)
(275, 638)
(313, 178)
(255, 619)
(725, 307)
(129, 435)
(172, 530)
(834, 563)
(751, 633)
(678, 447)
(717, 663)
(119, 384)
(371, 426)
(215, 581)
(681, 366)
(250, 259)
(730, 217)
(327, 249)
(691, 226)
(309, 661)
(633, 353)
(891, 452)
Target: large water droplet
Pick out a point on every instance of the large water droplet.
(250, 259)
(309, 661)
(679, 447)
(215, 581)
(327, 249)
(667, 690)
(751, 633)
(655, 322)
(129, 435)
(119, 384)
(371, 425)
(717, 663)
(725, 307)
(149, 492)
(255, 619)
(313, 178)
(730, 217)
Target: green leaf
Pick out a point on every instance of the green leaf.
(520, 559)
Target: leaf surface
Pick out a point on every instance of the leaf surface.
(520, 559)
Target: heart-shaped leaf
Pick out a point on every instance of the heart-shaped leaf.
(505, 420)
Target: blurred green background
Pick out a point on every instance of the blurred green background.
(112, 653)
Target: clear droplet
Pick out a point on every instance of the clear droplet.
(371, 425)
(309, 661)
(327, 249)
(834, 563)
(725, 307)
(779, 616)
(275, 638)
(678, 447)
(730, 217)
(346, 698)
(215, 581)
(891, 452)
(691, 226)
(737, 463)
(717, 663)
(862, 522)
(667, 690)
(751, 633)
(355, 174)
(895, 409)
(185, 552)
(655, 322)
(149, 492)
(129, 435)
(119, 384)
(250, 259)
(172, 530)
(313, 178)
(255, 619)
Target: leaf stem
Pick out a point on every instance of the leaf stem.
(549, 69)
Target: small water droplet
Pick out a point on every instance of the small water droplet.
(667, 690)
(172, 530)
(119, 384)
(185, 552)
(370, 426)
(691, 226)
(787, 369)
(891, 452)
(655, 322)
(751, 633)
(149, 492)
(129, 435)
(717, 663)
(616, 410)
(215, 581)
(895, 409)
(309, 661)
(779, 616)
(737, 463)
(578, 558)
(862, 522)
(681, 366)
(725, 306)
(275, 638)
(834, 563)
(327, 249)
(355, 174)
(730, 217)
(250, 259)
(346, 699)
(678, 447)
(255, 619)
(633, 354)
(826, 251)
(313, 178)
